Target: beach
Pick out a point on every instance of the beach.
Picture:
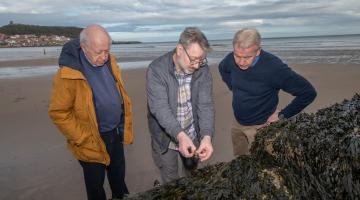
(35, 163)
(29, 62)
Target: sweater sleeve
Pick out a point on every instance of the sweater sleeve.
(297, 86)
(225, 72)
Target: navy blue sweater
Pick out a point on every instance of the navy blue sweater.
(256, 89)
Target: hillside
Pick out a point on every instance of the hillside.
(21, 29)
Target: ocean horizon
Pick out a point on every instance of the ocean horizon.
(329, 49)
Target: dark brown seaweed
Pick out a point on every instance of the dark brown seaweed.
(312, 156)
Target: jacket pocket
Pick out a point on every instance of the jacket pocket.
(89, 150)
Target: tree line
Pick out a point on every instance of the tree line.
(22, 29)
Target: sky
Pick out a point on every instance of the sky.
(163, 20)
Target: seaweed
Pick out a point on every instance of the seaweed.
(311, 156)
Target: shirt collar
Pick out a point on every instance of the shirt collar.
(255, 61)
(181, 74)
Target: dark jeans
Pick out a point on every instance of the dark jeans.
(94, 173)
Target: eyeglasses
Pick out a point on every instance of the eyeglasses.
(201, 63)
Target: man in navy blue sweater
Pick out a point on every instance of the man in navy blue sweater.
(255, 77)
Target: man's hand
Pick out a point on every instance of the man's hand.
(205, 149)
(186, 146)
(273, 118)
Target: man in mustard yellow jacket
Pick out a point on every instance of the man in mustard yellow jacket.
(90, 106)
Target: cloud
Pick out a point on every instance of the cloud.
(150, 36)
(151, 19)
(243, 23)
(162, 27)
(110, 25)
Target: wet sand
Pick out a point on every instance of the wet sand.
(35, 163)
(29, 62)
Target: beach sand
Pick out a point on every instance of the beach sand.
(29, 62)
(35, 163)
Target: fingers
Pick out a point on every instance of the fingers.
(186, 146)
(187, 150)
(205, 153)
(205, 150)
(191, 150)
(273, 118)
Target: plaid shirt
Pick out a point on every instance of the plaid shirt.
(184, 113)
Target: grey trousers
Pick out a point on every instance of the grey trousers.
(168, 163)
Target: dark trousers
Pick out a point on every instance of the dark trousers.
(94, 173)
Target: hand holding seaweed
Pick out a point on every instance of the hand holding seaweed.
(205, 149)
(184, 144)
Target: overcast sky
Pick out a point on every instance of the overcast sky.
(163, 20)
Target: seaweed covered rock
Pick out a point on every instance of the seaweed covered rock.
(313, 156)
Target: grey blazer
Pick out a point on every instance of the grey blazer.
(162, 91)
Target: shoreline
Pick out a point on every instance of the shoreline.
(37, 62)
(13, 47)
(12, 67)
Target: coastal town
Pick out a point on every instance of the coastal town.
(32, 40)
(25, 35)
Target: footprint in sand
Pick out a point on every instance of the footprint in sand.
(18, 99)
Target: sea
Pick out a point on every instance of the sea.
(339, 49)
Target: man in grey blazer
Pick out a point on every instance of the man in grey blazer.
(180, 104)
